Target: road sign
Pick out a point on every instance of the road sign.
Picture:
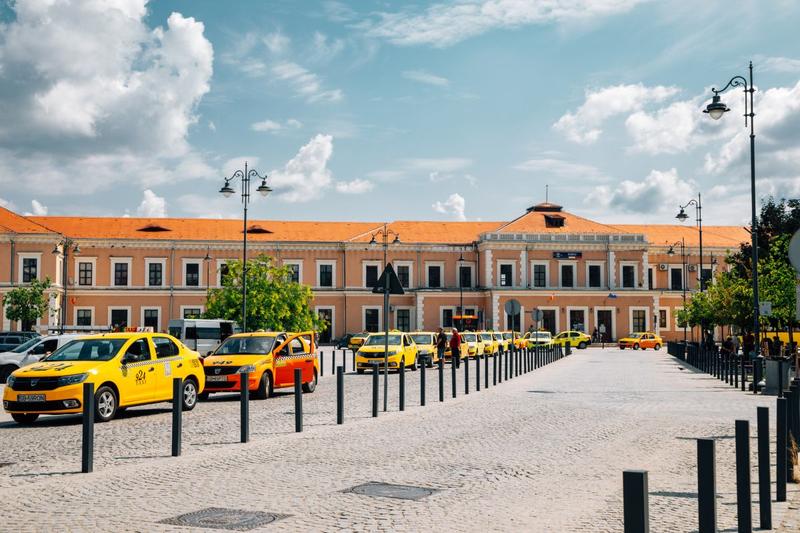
(765, 308)
(794, 251)
(537, 315)
(513, 307)
(602, 328)
(395, 287)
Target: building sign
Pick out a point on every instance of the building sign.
(567, 255)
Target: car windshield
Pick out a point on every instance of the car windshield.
(507, 336)
(87, 350)
(541, 335)
(25, 345)
(380, 340)
(423, 338)
(245, 345)
(637, 335)
(469, 337)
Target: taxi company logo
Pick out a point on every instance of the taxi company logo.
(217, 370)
(141, 377)
(34, 382)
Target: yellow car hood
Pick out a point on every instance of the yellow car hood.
(374, 349)
(58, 368)
(629, 339)
(236, 360)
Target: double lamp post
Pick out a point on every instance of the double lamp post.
(384, 234)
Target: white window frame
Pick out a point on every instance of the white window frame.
(77, 279)
(613, 319)
(220, 262)
(574, 265)
(669, 317)
(114, 261)
(83, 308)
(602, 265)
(29, 255)
(364, 316)
(192, 261)
(683, 278)
(411, 317)
(473, 308)
(150, 308)
(471, 266)
(503, 262)
(185, 307)
(410, 265)
(546, 264)
(119, 308)
(646, 318)
(364, 264)
(331, 262)
(635, 265)
(153, 261)
(299, 264)
(442, 308)
(332, 309)
(442, 281)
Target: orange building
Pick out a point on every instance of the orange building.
(582, 274)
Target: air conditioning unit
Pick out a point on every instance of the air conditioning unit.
(692, 268)
(663, 267)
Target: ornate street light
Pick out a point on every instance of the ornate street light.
(384, 234)
(682, 216)
(671, 252)
(63, 248)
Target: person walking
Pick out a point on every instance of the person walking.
(441, 343)
(455, 348)
(749, 345)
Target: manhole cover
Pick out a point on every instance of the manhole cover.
(387, 490)
(217, 518)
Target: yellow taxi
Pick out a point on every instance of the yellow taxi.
(490, 344)
(642, 340)
(576, 339)
(502, 342)
(520, 340)
(357, 340)
(270, 358)
(401, 348)
(472, 344)
(426, 347)
(126, 369)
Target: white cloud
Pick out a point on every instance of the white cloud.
(426, 77)
(445, 24)
(444, 164)
(356, 186)
(152, 206)
(306, 176)
(323, 49)
(37, 209)
(277, 42)
(779, 64)
(271, 126)
(584, 125)
(305, 83)
(293, 123)
(8, 204)
(561, 169)
(454, 205)
(669, 130)
(659, 192)
(212, 126)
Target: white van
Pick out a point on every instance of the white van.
(199, 334)
(31, 352)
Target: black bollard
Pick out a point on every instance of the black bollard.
(494, 369)
(780, 452)
(756, 373)
(764, 494)
(466, 375)
(422, 383)
(453, 372)
(402, 377)
(744, 500)
(744, 373)
(636, 514)
(244, 406)
(298, 400)
(333, 362)
(340, 393)
(794, 423)
(177, 412)
(374, 390)
(87, 443)
(500, 366)
(706, 486)
(441, 379)
(478, 373)
(780, 378)
(507, 363)
(322, 362)
(735, 371)
(486, 372)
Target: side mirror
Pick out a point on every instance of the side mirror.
(209, 353)
(127, 358)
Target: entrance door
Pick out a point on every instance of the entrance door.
(577, 320)
(327, 316)
(549, 320)
(604, 317)
(513, 322)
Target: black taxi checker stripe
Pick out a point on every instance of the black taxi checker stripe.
(152, 362)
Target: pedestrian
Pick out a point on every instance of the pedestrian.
(595, 336)
(727, 346)
(777, 346)
(749, 344)
(441, 343)
(455, 348)
(735, 340)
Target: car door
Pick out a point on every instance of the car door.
(169, 365)
(137, 373)
(289, 356)
(303, 358)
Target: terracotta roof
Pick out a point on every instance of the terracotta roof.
(13, 223)
(534, 222)
(714, 236)
(432, 231)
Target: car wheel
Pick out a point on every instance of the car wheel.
(581, 345)
(105, 404)
(360, 371)
(413, 366)
(24, 418)
(311, 386)
(6, 371)
(264, 386)
(636, 346)
(657, 347)
(189, 395)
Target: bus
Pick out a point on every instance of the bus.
(202, 335)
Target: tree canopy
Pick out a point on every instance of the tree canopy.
(27, 303)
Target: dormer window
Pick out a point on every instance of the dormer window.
(153, 228)
(256, 229)
(554, 221)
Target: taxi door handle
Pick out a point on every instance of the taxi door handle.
(152, 368)
(309, 360)
(180, 365)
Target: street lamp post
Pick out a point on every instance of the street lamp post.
(207, 261)
(384, 235)
(461, 293)
(226, 190)
(63, 248)
(682, 216)
(670, 253)
(715, 110)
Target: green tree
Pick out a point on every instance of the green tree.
(27, 303)
(777, 283)
(274, 301)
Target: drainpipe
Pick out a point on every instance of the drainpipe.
(344, 285)
(13, 253)
(171, 280)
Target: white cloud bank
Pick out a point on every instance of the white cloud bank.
(454, 206)
(660, 191)
(306, 176)
(152, 206)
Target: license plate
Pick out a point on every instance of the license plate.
(30, 397)
(216, 378)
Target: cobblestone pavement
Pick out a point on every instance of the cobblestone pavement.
(542, 452)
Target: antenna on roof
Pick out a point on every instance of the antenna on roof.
(547, 194)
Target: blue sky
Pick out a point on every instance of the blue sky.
(393, 110)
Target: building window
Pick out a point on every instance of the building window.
(506, 275)
(447, 318)
(540, 275)
(595, 276)
(628, 276)
(326, 275)
(638, 320)
(119, 318)
(403, 274)
(192, 274)
(155, 273)
(707, 274)
(30, 269)
(662, 318)
(465, 276)
(121, 274)
(371, 320)
(676, 279)
(84, 273)
(404, 319)
(567, 276)
(151, 319)
(294, 272)
(192, 312)
(84, 317)
(650, 278)
(434, 276)
(370, 276)
(224, 272)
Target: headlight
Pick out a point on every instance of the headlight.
(72, 380)
(10, 381)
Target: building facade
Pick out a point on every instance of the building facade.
(581, 274)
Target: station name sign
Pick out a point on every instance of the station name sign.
(567, 255)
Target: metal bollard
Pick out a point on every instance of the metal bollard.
(757, 368)
(466, 375)
(374, 390)
(322, 362)
(744, 502)
(706, 486)
(500, 366)
(794, 422)
(735, 371)
(764, 494)
(441, 379)
(402, 378)
(636, 514)
(298, 400)
(333, 362)
(780, 378)
(494, 370)
(478, 373)
(340, 394)
(453, 372)
(506, 363)
(244, 403)
(422, 383)
(87, 443)
(486, 372)
(780, 452)
(177, 413)
(744, 373)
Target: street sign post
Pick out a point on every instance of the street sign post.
(602, 330)
(537, 315)
(512, 308)
(765, 308)
(387, 284)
